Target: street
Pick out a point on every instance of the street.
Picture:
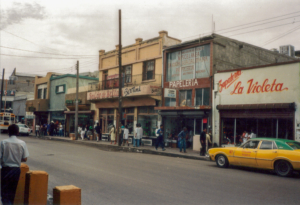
(132, 178)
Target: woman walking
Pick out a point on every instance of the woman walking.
(113, 134)
(82, 132)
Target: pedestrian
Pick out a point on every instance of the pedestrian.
(207, 142)
(160, 138)
(51, 130)
(138, 135)
(82, 132)
(125, 135)
(48, 129)
(113, 134)
(61, 134)
(182, 139)
(37, 130)
(203, 142)
(12, 152)
(85, 131)
(89, 133)
(98, 132)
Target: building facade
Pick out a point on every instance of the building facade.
(261, 100)
(188, 82)
(141, 84)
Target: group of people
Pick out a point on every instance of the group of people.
(52, 129)
(87, 131)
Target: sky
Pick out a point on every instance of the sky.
(42, 36)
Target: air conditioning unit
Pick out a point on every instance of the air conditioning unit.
(287, 50)
(147, 142)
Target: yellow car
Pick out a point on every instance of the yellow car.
(280, 155)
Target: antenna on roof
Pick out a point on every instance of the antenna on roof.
(212, 24)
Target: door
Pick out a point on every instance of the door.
(246, 155)
(265, 154)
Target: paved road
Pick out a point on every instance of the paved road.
(132, 178)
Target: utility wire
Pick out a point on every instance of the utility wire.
(46, 53)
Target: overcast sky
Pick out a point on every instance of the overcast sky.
(83, 27)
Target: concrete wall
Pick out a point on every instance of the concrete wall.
(57, 101)
(232, 54)
(19, 107)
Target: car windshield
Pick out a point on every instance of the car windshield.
(294, 145)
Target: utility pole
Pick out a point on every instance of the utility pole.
(5, 95)
(76, 102)
(2, 88)
(120, 79)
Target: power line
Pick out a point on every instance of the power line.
(37, 57)
(44, 53)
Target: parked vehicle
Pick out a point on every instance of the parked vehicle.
(280, 155)
(6, 119)
(24, 129)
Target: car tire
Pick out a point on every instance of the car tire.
(283, 168)
(222, 161)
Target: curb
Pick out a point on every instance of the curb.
(124, 149)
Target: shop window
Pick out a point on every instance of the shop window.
(143, 109)
(202, 96)
(185, 98)
(170, 102)
(45, 93)
(151, 110)
(149, 70)
(111, 111)
(130, 110)
(60, 89)
(129, 123)
(148, 123)
(127, 70)
(103, 111)
(110, 122)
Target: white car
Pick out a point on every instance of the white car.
(24, 129)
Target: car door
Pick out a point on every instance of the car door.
(266, 153)
(245, 155)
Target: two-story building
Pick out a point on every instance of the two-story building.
(141, 84)
(189, 68)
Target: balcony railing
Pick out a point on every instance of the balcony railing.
(127, 81)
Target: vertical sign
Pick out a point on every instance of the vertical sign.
(174, 63)
(188, 64)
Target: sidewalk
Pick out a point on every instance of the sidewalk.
(171, 152)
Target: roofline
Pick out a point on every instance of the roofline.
(261, 66)
(72, 76)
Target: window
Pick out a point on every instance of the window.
(45, 93)
(111, 111)
(202, 96)
(266, 145)
(170, 102)
(294, 145)
(251, 144)
(143, 109)
(185, 98)
(40, 93)
(127, 70)
(130, 110)
(149, 70)
(60, 89)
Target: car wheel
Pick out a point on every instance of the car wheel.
(283, 168)
(222, 161)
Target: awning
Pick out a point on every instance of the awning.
(178, 113)
(290, 106)
(80, 112)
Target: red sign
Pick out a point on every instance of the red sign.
(205, 120)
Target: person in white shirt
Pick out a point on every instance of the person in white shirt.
(12, 152)
(138, 135)
(125, 135)
(252, 135)
(82, 132)
(156, 131)
(37, 130)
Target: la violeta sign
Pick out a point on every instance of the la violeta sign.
(251, 86)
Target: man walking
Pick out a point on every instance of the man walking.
(37, 130)
(98, 132)
(160, 138)
(12, 152)
(203, 142)
(182, 139)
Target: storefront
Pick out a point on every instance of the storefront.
(84, 118)
(262, 101)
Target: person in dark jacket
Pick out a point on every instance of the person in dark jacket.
(98, 132)
(203, 142)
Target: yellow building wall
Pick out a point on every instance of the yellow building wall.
(158, 66)
(128, 57)
(113, 71)
(137, 69)
(109, 62)
(149, 52)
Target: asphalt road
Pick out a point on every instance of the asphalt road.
(132, 178)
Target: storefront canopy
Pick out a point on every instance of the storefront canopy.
(290, 106)
(81, 112)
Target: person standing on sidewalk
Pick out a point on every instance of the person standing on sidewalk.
(160, 138)
(12, 152)
(138, 135)
(37, 130)
(98, 132)
(125, 135)
(182, 139)
(113, 134)
(203, 142)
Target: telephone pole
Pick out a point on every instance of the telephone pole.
(120, 80)
(2, 89)
(76, 102)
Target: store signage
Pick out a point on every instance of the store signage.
(114, 76)
(70, 102)
(103, 94)
(170, 93)
(141, 90)
(183, 83)
(228, 82)
(8, 93)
